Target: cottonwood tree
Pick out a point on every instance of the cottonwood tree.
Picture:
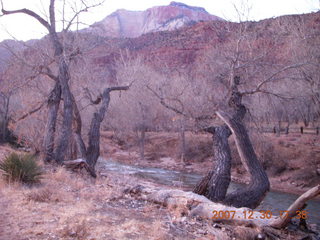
(242, 67)
(62, 57)
(265, 73)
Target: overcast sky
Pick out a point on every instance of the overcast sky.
(24, 28)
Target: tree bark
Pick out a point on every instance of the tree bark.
(182, 138)
(93, 150)
(142, 139)
(4, 127)
(53, 103)
(78, 129)
(66, 128)
(214, 186)
(63, 77)
(259, 184)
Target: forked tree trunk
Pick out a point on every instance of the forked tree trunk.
(53, 107)
(214, 185)
(251, 195)
(61, 150)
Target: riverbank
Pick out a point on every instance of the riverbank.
(291, 161)
(68, 205)
(72, 205)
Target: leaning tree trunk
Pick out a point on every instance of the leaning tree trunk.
(93, 150)
(53, 107)
(215, 184)
(259, 184)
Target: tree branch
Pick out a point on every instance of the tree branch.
(89, 96)
(77, 13)
(52, 16)
(282, 222)
(28, 12)
(30, 112)
(163, 103)
(48, 73)
(120, 88)
(270, 78)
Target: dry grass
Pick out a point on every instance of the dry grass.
(71, 206)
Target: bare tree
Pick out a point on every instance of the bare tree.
(230, 100)
(62, 56)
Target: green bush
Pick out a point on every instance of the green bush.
(21, 167)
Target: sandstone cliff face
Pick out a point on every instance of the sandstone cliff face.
(123, 23)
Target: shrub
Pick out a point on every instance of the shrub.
(22, 168)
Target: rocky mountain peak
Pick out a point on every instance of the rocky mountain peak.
(129, 24)
(183, 5)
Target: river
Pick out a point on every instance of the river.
(274, 201)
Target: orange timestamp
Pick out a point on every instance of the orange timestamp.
(249, 214)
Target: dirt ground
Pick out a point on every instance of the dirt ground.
(292, 161)
(68, 205)
(72, 206)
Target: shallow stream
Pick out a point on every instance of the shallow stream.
(274, 201)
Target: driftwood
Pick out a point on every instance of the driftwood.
(194, 205)
(298, 205)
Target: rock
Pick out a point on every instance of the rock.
(124, 23)
(318, 171)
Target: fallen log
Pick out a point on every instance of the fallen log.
(194, 205)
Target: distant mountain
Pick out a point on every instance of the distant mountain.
(128, 24)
